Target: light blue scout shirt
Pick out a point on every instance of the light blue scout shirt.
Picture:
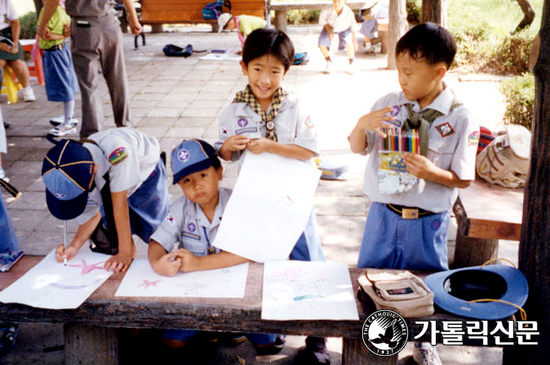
(187, 226)
(293, 125)
(338, 22)
(452, 146)
(128, 155)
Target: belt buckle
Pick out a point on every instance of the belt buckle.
(409, 213)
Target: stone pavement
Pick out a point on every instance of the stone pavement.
(177, 98)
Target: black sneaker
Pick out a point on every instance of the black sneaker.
(7, 337)
(274, 347)
(6, 125)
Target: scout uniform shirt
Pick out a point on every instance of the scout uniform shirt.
(292, 125)
(128, 156)
(338, 23)
(452, 146)
(187, 226)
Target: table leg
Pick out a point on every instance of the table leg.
(354, 352)
(90, 345)
(473, 251)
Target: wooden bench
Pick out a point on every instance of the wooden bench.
(90, 331)
(485, 213)
(281, 16)
(158, 12)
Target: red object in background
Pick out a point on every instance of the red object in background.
(485, 137)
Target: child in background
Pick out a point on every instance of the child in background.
(3, 148)
(192, 225)
(245, 24)
(264, 118)
(409, 230)
(338, 19)
(61, 83)
(114, 179)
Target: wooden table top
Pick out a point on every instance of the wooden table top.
(490, 211)
(103, 309)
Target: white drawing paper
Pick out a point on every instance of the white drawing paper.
(142, 281)
(269, 207)
(227, 56)
(52, 285)
(300, 290)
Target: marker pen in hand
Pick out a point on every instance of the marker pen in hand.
(65, 241)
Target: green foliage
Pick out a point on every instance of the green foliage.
(414, 11)
(296, 17)
(520, 99)
(512, 55)
(28, 25)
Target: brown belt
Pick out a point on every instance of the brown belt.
(408, 212)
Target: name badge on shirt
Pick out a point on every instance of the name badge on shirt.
(254, 133)
(191, 235)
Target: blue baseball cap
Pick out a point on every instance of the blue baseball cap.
(67, 171)
(453, 290)
(191, 156)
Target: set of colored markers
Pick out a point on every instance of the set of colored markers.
(400, 141)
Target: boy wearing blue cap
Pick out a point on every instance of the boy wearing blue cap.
(192, 224)
(265, 118)
(115, 179)
(408, 230)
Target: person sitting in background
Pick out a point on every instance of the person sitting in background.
(11, 52)
(245, 24)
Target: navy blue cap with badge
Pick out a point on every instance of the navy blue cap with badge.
(192, 156)
(67, 171)
(487, 292)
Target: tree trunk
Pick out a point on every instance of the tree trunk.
(398, 26)
(528, 15)
(38, 6)
(534, 247)
(435, 11)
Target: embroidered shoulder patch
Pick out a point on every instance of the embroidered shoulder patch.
(117, 156)
(473, 138)
(445, 129)
(309, 123)
(170, 218)
(224, 131)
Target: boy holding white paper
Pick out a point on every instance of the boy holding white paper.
(192, 224)
(265, 118)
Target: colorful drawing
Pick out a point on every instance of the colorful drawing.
(295, 290)
(141, 280)
(52, 285)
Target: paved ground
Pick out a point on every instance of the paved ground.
(176, 98)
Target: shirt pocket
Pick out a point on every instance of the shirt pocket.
(194, 246)
(441, 152)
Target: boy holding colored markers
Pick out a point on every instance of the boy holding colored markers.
(409, 230)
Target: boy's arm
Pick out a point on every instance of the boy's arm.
(15, 33)
(233, 144)
(82, 234)
(135, 26)
(423, 168)
(190, 262)
(162, 262)
(286, 150)
(126, 249)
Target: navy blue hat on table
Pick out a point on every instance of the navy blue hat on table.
(454, 291)
(190, 156)
(67, 171)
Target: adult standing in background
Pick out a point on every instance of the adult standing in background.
(11, 52)
(96, 42)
